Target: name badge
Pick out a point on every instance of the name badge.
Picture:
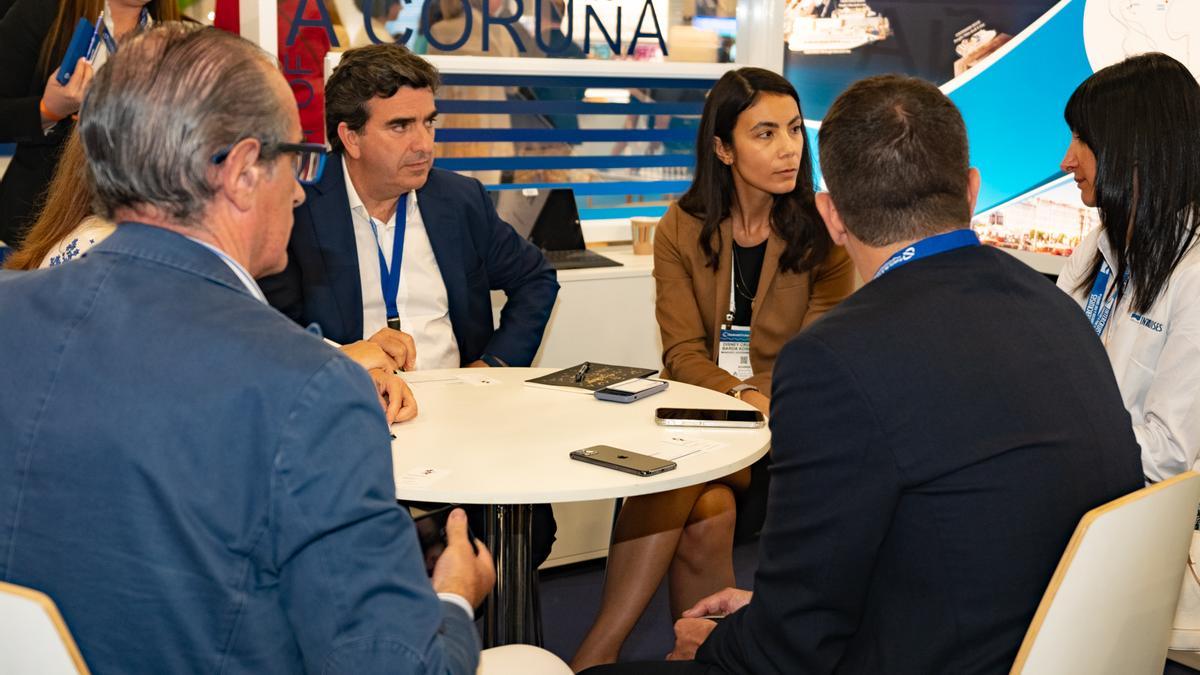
(733, 355)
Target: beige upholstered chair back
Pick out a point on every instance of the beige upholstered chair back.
(33, 637)
(1110, 604)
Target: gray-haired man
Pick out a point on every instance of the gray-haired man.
(198, 483)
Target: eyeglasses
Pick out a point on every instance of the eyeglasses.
(308, 159)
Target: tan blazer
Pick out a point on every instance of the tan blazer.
(692, 301)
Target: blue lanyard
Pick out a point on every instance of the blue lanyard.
(1098, 308)
(109, 41)
(390, 279)
(928, 246)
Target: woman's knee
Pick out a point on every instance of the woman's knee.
(710, 525)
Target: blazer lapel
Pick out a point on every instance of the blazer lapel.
(333, 228)
(723, 283)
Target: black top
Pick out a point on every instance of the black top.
(23, 28)
(935, 439)
(747, 267)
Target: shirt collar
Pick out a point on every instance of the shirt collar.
(356, 203)
(238, 271)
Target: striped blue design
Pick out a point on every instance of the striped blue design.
(563, 135)
(509, 80)
(632, 187)
(562, 162)
(622, 212)
(567, 108)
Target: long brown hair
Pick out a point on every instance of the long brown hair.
(68, 202)
(54, 47)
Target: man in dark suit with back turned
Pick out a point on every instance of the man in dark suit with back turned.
(935, 438)
(389, 250)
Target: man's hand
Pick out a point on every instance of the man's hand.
(689, 635)
(720, 603)
(479, 363)
(370, 355)
(460, 570)
(398, 345)
(399, 404)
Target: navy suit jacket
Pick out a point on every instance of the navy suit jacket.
(935, 439)
(475, 250)
(198, 483)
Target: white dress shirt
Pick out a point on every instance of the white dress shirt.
(1155, 356)
(421, 300)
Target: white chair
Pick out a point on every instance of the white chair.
(33, 636)
(520, 660)
(1110, 604)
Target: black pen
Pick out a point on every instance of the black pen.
(582, 371)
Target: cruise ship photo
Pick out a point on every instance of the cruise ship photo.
(833, 27)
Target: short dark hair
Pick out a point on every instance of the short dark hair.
(894, 157)
(794, 216)
(1141, 118)
(367, 72)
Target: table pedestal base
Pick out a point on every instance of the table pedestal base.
(514, 612)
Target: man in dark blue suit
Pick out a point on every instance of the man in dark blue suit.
(390, 251)
(199, 484)
(935, 438)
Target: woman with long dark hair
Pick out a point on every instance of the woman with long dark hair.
(1135, 155)
(741, 264)
(35, 110)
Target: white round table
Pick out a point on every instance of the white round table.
(483, 436)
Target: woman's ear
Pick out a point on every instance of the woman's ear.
(723, 152)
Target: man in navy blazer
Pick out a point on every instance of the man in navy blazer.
(935, 438)
(390, 251)
(199, 484)
(453, 247)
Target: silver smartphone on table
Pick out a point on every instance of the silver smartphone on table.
(709, 417)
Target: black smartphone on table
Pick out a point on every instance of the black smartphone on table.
(709, 417)
(622, 460)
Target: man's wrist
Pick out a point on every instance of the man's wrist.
(493, 361)
(458, 601)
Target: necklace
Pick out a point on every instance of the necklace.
(742, 288)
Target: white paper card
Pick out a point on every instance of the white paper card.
(675, 447)
(420, 477)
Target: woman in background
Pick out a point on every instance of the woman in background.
(35, 110)
(1135, 155)
(66, 227)
(745, 252)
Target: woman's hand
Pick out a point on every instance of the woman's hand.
(64, 100)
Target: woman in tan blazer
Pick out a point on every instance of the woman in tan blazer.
(744, 247)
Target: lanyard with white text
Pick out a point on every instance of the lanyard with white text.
(1099, 308)
(109, 42)
(929, 246)
(390, 278)
(732, 285)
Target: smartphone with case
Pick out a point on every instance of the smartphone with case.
(631, 390)
(708, 417)
(623, 460)
(79, 47)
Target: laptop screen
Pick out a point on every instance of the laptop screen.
(547, 217)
